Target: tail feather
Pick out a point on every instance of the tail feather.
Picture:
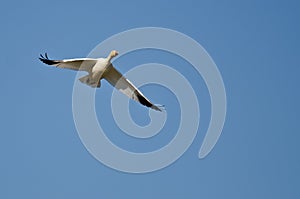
(89, 81)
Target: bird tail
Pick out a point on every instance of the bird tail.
(89, 81)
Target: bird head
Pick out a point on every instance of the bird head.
(113, 53)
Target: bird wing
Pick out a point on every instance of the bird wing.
(116, 79)
(82, 64)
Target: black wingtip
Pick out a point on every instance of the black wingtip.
(145, 102)
(160, 108)
(142, 100)
(46, 60)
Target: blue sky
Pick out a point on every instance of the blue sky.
(255, 45)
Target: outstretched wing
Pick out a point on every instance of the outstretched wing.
(116, 79)
(82, 64)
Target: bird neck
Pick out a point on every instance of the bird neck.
(110, 56)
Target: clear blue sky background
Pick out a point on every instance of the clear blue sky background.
(256, 47)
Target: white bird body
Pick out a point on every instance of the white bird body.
(102, 68)
(96, 74)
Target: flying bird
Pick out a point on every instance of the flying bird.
(98, 69)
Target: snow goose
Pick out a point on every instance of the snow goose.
(98, 69)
